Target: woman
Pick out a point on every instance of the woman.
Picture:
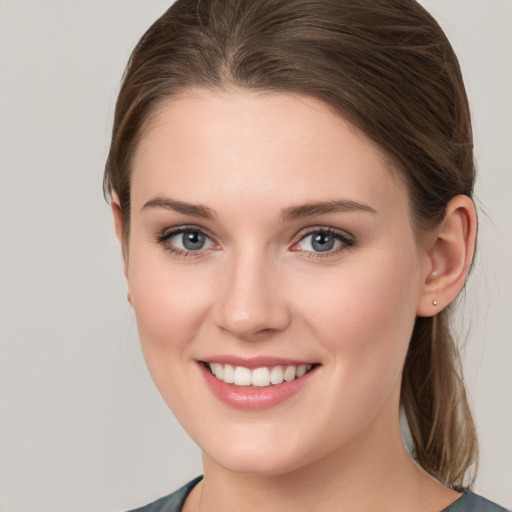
(291, 184)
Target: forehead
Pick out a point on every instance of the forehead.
(258, 147)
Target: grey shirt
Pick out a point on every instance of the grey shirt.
(468, 502)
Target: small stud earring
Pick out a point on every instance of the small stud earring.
(434, 302)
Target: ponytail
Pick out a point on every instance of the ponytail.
(436, 406)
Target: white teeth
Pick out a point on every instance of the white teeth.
(258, 377)
(301, 370)
(289, 373)
(242, 376)
(217, 370)
(276, 375)
(228, 375)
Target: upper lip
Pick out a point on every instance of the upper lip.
(255, 361)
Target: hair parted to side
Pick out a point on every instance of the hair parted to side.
(384, 65)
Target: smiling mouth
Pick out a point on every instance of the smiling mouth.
(262, 377)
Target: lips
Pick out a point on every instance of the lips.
(256, 383)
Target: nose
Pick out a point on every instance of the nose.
(251, 303)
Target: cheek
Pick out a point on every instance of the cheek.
(169, 306)
(164, 307)
(365, 318)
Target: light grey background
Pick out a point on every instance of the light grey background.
(82, 427)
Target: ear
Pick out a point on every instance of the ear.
(449, 252)
(117, 214)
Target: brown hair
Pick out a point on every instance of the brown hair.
(387, 67)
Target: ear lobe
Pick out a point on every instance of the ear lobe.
(449, 254)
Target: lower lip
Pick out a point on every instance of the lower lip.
(254, 399)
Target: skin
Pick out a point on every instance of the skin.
(258, 288)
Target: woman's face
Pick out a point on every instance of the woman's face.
(268, 238)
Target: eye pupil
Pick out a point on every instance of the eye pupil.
(322, 242)
(193, 240)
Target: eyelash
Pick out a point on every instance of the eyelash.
(180, 253)
(347, 241)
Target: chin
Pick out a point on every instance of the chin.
(256, 458)
(256, 465)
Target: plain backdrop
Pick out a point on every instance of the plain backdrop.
(82, 427)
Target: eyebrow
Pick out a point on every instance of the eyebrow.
(318, 208)
(195, 210)
(287, 214)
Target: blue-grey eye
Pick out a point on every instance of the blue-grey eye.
(189, 240)
(193, 240)
(321, 241)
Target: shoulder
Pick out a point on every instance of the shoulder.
(471, 502)
(171, 503)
